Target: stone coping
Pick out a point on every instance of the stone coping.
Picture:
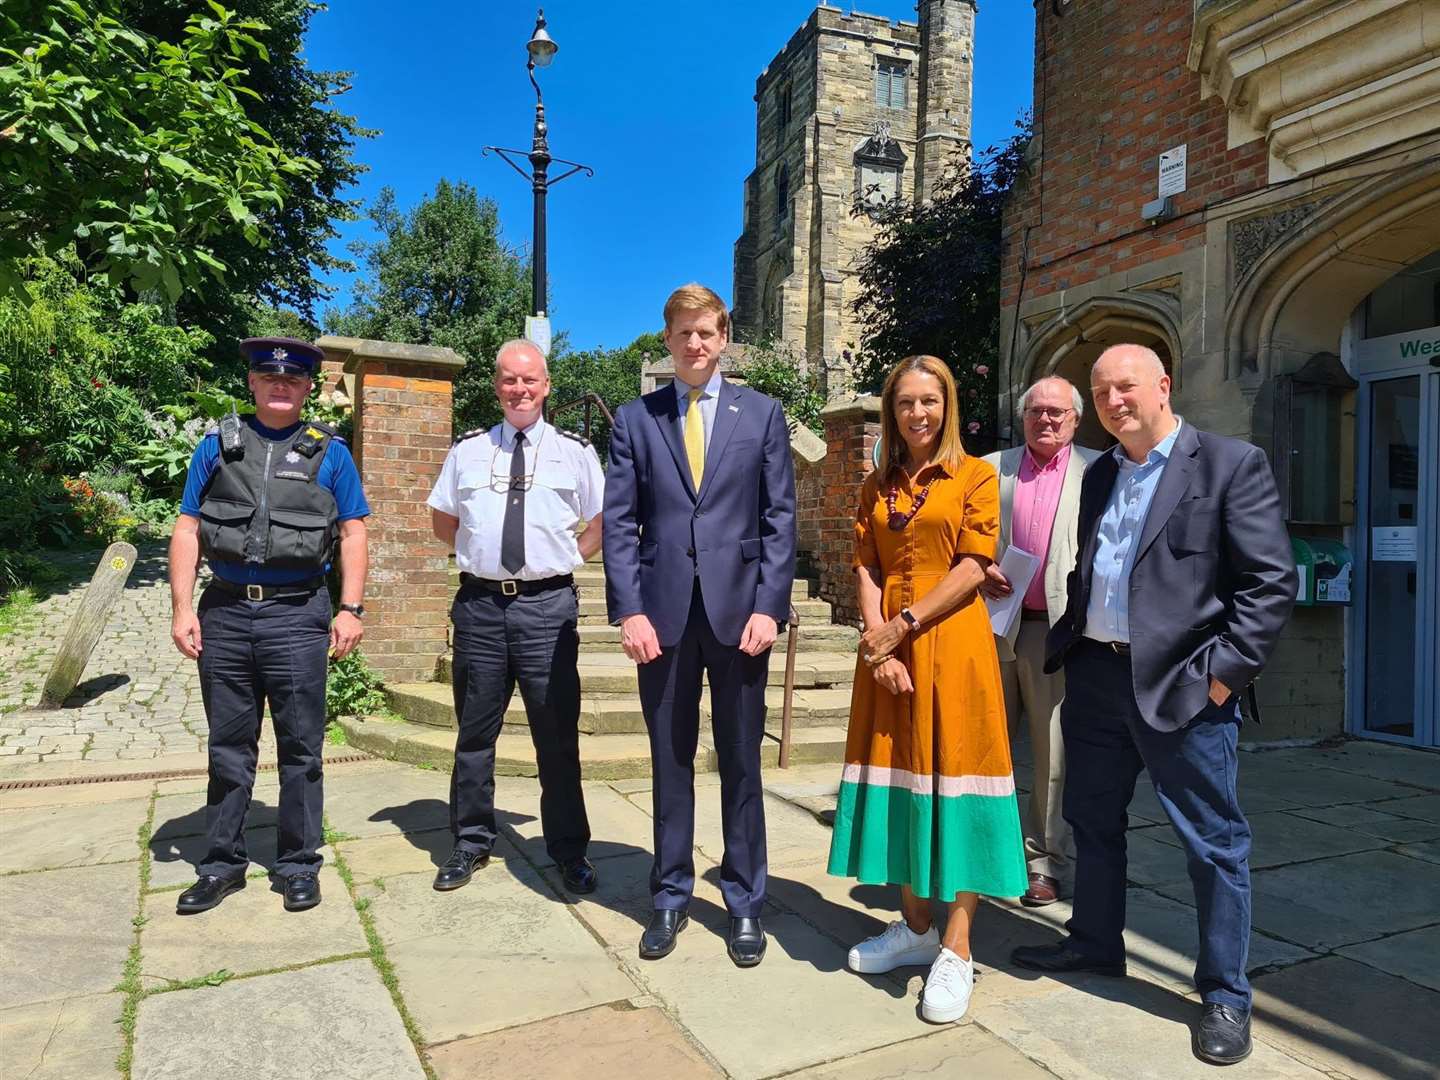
(351, 350)
(865, 404)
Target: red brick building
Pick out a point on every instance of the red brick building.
(1288, 273)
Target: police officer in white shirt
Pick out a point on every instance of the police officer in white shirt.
(521, 506)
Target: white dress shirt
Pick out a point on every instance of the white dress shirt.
(567, 489)
(709, 402)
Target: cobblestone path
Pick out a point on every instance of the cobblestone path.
(138, 698)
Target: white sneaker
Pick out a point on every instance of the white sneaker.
(947, 988)
(896, 946)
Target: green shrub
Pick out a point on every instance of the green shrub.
(353, 689)
(20, 569)
(773, 370)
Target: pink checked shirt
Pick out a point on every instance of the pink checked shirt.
(1037, 496)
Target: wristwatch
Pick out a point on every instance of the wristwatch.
(909, 617)
(358, 610)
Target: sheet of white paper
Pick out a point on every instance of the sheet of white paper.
(1018, 566)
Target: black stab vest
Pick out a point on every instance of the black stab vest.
(262, 505)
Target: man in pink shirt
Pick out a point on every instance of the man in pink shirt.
(1039, 508)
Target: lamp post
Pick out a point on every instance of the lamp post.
(541, 49)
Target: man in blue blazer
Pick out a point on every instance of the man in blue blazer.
(699, 541)
(1182, 585)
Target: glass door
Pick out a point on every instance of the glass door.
(1398, 545)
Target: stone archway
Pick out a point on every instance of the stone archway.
(1069, 343)
(1294, 296)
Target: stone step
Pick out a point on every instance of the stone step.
(432, 705)
(606, 674)
(593, 613)
(826, 636)
(602, 757)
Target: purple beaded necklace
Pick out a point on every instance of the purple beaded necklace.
(896, 520)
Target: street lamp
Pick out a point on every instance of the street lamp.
(541, 49)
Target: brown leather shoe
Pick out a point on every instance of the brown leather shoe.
(1043, 890)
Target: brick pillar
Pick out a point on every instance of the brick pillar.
(402, 433)
(852, 427)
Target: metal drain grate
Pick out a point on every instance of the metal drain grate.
(159, 774)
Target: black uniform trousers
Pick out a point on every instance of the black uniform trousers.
(500, 641)
(670, 687)
(253, 651)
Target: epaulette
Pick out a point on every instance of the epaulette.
(574, 435)
(471, 434)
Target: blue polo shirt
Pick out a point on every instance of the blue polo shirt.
(337, 475)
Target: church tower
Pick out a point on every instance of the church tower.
(947, 47)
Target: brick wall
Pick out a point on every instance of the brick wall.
(402, 434)
(826, 504)
(1111, 93)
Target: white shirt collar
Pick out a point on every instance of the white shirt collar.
(533, 433)
(711, 387)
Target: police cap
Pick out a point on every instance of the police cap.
(282, 355)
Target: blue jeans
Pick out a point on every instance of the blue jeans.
(1193, 769)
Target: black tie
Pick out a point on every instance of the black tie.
(512, 533)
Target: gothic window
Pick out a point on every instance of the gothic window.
(782, 197)
(785, 107)
(890, 82)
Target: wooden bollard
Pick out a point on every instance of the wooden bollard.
(87, 624)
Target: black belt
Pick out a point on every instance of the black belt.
(1120, 647)
(515, 587)
(269, 592)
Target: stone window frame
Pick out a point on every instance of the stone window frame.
(782, 197)
(785, 105)
(892, 68)
(880, 152)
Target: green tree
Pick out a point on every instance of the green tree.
(440, 275)
(137, 151)
(614, 374)
(772, 369)
(297, 107)
(929, 282)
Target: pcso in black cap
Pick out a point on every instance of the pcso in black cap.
(271, 501)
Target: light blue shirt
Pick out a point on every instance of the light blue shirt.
(709, 402)
(1108, 616)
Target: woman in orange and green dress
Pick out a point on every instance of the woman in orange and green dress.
(927, 798)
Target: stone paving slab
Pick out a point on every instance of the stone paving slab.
(178, 816)
(1414, 955)
(606, 1043)
(1421, 807)
(250, 931)
(1129, 1028)
(1344, 900)
(1345, 1016)
(955, 1051)
(1429, 851)
(1365, 819)
(74, 1038)
(1381, 761)
(66, 932)
(334, 1021)
(503, 950)
(378, 857)
(75, 794)
(1279, 786)
(381, 800)
(47, 837)
(1281, 837)
(174, 862)
(617, 825)
(765, 1021)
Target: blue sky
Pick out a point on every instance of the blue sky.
(657, 97)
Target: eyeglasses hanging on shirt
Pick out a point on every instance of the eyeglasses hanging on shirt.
(503, 480)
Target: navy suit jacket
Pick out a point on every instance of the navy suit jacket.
(737, 533)
(1213, 582)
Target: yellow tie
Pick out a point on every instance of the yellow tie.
(695, 438)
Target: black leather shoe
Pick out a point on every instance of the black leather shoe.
(1223, 1037)
(746, 944)
(207, 893)
(659, 937)
(459, 868)
(580, 876)
(1061, 959)
(302, 891)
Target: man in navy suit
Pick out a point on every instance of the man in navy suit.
(1183, 583)
(699, 540)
